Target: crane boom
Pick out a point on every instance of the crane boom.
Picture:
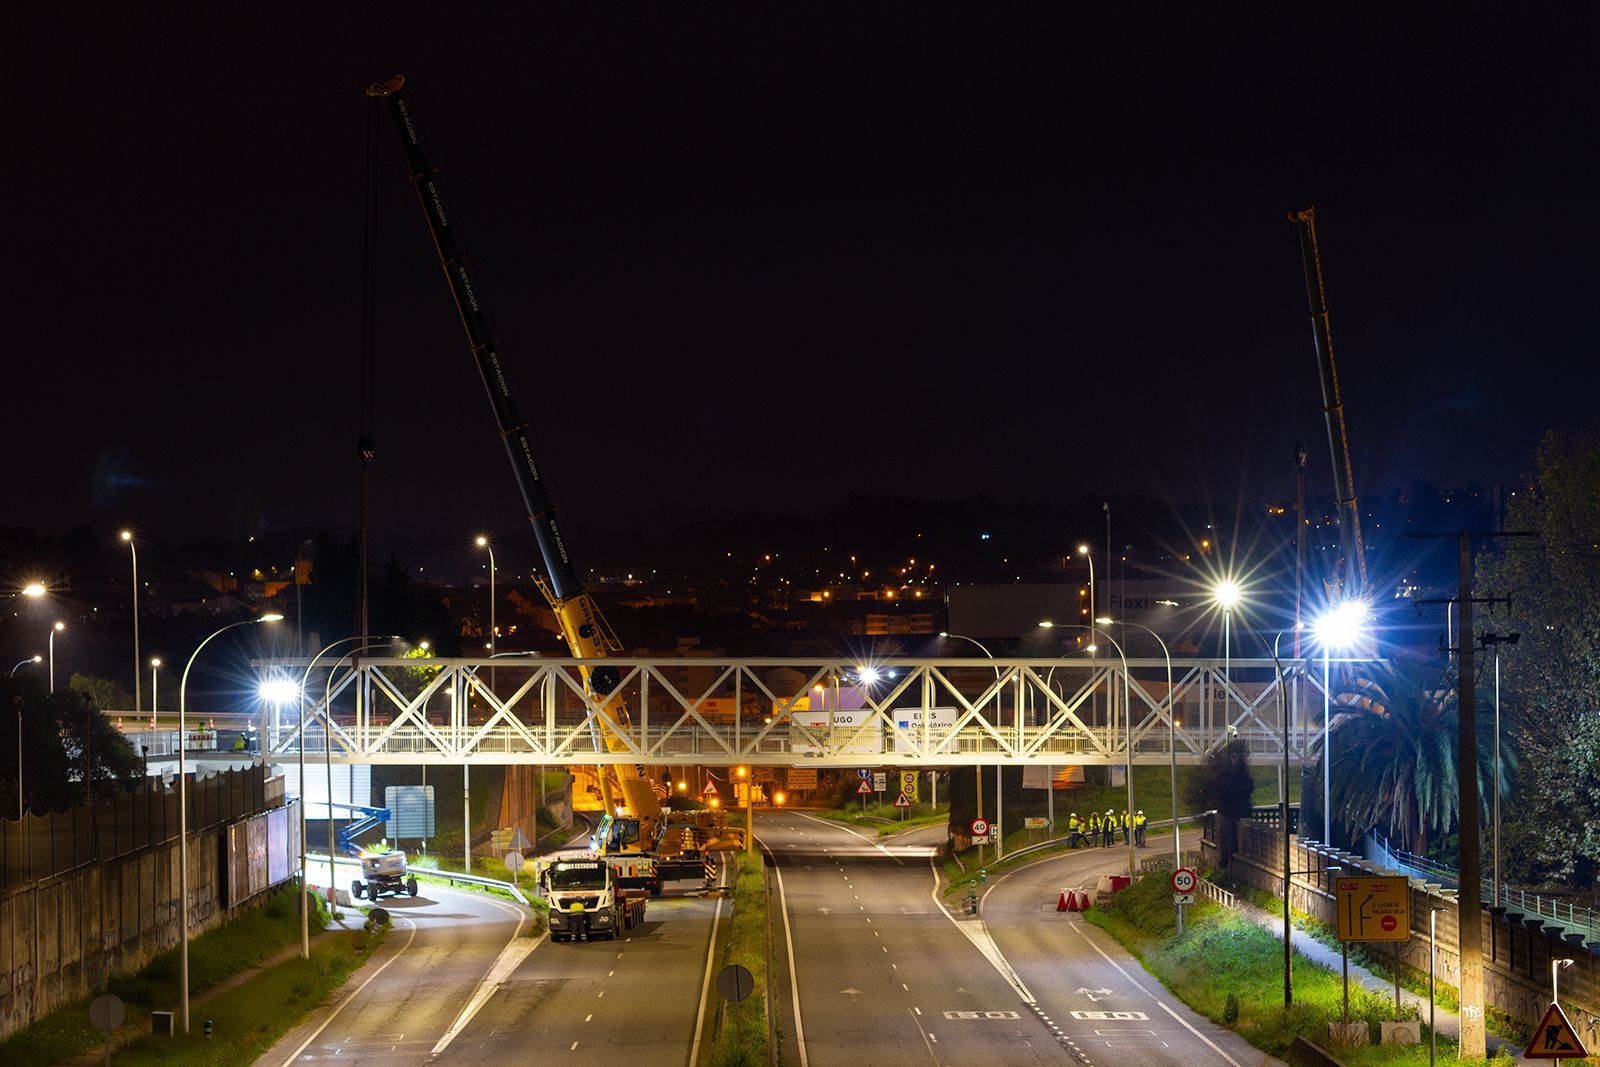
(1344, 489)
(583, 627)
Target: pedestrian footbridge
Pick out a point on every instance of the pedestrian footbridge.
(803, 712)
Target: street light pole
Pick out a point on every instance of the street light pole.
(327, 728)
(57, 628)
(1495, 641)
(127, 536)
(1172, 749)
(183, 823)
(978, 768)
(155, 703)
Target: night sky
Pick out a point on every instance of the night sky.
(757, 260)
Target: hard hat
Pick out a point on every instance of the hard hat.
(1141, 811)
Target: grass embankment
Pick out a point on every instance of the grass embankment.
(1231, 970)
(248, 1017)
(887, 819)
(740, 1038)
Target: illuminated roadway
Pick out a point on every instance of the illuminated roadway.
(882, 975)
(455, 984)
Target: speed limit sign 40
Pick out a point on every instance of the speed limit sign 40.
(980, 827)
(1184, 880)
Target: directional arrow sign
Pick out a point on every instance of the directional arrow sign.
(852, 991)
(826, 910)
(1094, 995)
(1373, 908)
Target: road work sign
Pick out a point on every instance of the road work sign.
(1554, 1038)
(1373, 908)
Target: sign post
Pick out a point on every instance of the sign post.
(1371, 908)
(1184, 879)
(106, 1013)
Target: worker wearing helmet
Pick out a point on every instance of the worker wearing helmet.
(1139, 819)
(1074, 830)
(1108, 828)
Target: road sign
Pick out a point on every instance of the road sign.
(513, 861)
(908, 784)
(902, 801)
(735, 982)
(880, 780)
(1035, 824)
(801, 778)
(519, 840)
(711, 788)
(864, 788)
(1184, 880)
(1370, 908)
(411, 808)
(107, 1011)
(1183, 898)
(1554, 1038)
(864, 773)
(980, 827)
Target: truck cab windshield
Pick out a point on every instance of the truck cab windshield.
(589, 876)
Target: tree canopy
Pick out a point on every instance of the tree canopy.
(64, 736)
(1550, 681)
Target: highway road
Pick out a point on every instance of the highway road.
(456, 984)
(875, 972)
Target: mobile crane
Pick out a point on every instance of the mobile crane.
(636, 826)
(1344, 489)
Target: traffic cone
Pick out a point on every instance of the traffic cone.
(1084, 900)
(1063, 904)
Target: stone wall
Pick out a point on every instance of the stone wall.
(1517, 949)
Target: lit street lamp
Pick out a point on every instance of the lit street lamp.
(1340, 626)
(483, 543)
(183, 821)
(57, 628)
(127, 537)
(155, 665)
(23, 663)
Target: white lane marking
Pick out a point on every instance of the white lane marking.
(586, 1018)
(794, 985)
(928, 1040)
(574, 1047)
(510, 957)
(975, 931)
(863, 837)
(334, 1014)
(705, 985)
(1185, 1022)
(603, 992)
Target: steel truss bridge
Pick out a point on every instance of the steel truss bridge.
(804, 712)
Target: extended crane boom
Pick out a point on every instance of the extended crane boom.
(1344, 489)
(582, 625)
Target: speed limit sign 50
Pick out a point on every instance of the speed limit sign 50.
(1184, 880)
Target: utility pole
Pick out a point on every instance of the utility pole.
(1469, 914)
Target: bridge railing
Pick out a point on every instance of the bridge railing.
(938, 712)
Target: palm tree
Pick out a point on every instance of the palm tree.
(1395, 756)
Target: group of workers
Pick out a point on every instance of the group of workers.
(1102, 830)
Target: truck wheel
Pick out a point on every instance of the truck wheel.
(355, 890)
(655, 888)
(411, 886)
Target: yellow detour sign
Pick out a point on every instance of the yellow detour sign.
(908, 785)
(1373, 909)
(1554, 1038)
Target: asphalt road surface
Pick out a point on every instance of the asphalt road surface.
(456, 984)
(873, 971)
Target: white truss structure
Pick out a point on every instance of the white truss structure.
(806, 712)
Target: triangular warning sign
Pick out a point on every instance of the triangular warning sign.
(711, 788)
(902, 801)
(1554, 1038)
(864, 788)
(519, 841)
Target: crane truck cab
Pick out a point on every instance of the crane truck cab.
(587, 902)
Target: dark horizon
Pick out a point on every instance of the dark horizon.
(755, 262)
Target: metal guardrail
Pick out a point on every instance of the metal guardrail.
(431, 873)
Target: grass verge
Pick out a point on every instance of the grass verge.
(1230, 970)
(741, 1037)
(249, 1018)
